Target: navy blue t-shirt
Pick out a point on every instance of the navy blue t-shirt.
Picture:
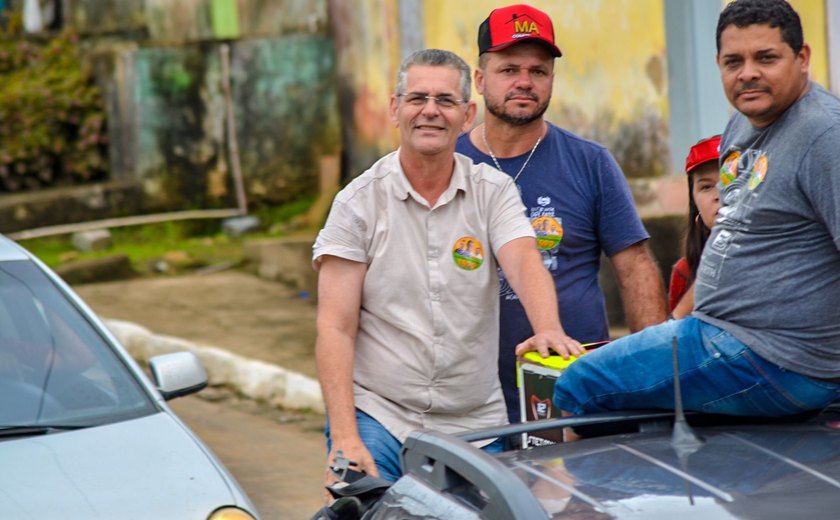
(580, 204)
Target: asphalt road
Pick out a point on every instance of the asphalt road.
(277, 457)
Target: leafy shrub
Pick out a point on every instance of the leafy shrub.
(52, 122)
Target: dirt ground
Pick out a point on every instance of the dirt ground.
(230, 309)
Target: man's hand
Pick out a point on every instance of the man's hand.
(544, 342)
(360, 460)
(526, 274)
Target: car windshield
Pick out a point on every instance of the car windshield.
(55, 368)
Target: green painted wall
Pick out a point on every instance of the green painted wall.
(179, 125)
(166, 101)
(287, 113)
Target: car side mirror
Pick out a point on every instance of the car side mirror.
(178, 374)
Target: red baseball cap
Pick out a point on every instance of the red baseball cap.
(513, 24)
(704, 151)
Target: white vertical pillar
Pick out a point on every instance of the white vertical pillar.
(411, 27)
(698, 106)
(832, 20)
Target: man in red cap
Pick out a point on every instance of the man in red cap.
(570, 186)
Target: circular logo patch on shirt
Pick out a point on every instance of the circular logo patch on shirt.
(729, 170)
(759, 171)
(468, 253)
(549, 232)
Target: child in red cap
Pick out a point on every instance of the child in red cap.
(701, 168)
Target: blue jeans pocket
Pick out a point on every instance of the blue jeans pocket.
(719, 344)
(754, 401)
(750, 385)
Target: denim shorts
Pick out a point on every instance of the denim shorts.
(718, 374)
(385, 448)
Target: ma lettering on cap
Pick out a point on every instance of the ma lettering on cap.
(514, 24)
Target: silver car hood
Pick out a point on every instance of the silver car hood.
(112, 472)
(759, 472)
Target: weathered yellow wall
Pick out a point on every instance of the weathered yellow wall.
(812, 14)
(613, 50)
(367, 37)
(610, 85)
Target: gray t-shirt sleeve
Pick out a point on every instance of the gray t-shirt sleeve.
(820, 181)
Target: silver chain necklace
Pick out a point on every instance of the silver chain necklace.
(496, 161)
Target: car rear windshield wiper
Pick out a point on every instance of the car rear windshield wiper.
(27, 430)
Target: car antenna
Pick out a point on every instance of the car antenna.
(683, 439)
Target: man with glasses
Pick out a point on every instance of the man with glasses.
(407, 289)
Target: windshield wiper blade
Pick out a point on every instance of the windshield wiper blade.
(27, 430)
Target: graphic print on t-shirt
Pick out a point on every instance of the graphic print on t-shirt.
(742, 173)
(729, 170)
(468, 253)
(758, 172)
(549, 230)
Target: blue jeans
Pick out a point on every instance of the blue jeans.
(718, 374)
(385, 448)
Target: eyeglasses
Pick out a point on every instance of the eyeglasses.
(417, 99)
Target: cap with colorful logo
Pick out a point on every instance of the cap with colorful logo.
(513, 24)
(703, 151)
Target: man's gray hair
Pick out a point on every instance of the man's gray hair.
(436, 58)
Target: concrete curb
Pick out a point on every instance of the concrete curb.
(252, 378)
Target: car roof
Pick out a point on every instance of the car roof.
(742, 468)
(738, 471)
(9, 250)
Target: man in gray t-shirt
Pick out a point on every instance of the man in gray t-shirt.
(770, 274)
(764, 339)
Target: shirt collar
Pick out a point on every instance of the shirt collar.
(403, 189)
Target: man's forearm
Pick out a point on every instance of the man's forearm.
(641, 287)
(339, 300)
(532, 283)
(334, 361)
(539, 299)
(685, 305)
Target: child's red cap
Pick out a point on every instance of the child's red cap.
(704, 151)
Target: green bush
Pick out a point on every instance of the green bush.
(52, 122)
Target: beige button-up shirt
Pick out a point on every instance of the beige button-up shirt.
(427, 347)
